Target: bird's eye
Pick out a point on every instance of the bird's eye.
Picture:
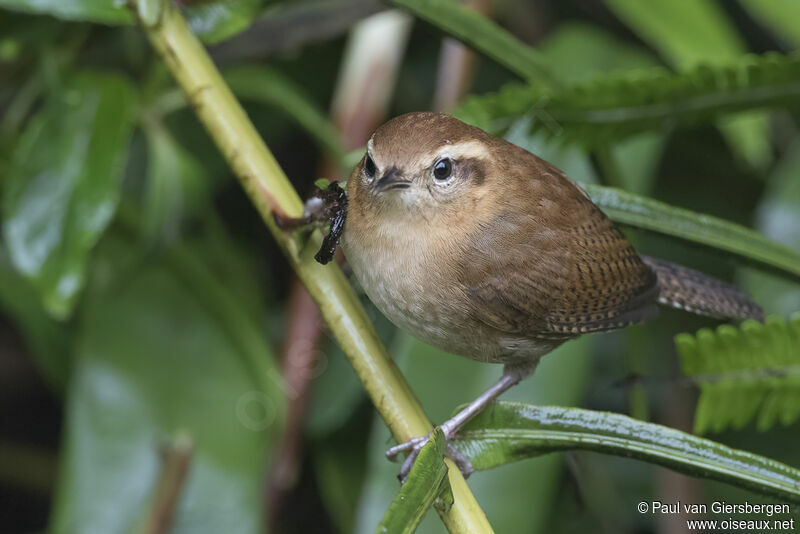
(443, 169)
(369, 167)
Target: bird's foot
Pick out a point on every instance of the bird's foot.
(414, 446)
(450, 427)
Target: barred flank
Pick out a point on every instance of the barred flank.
(693, 291)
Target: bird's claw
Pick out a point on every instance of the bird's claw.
(412, 444)
(413, 448)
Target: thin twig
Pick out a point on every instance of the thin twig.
(175, 459)
(303, 334)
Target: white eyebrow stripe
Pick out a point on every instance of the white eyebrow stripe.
(466, 149)
(369, 146)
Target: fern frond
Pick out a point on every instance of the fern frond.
(745, 373)
(620, 105)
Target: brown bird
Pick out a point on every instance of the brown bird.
(480, 248)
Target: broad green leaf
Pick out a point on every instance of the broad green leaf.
(637, 161)
(211, 20)
(260, 84)
(337, 393)
(686, 32)
(46, 338)
(216, 20)
(746, 373)
(426, 481)
(477, 31)
(619, 105)
(19, 108)
(748, 134)
(177, 184)
(64, 183)
(514, 431)
(691, 32)
(102, 11)
(583, 51)
(156, 356)
(780, 15)
(650, 214)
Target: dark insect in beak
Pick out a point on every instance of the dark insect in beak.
(391, 179)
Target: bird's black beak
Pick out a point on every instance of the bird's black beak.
(391, 179)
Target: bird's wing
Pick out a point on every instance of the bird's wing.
(557, 270)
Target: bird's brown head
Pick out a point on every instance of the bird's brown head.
(421, 165)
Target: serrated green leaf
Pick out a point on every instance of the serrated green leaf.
(584, 52)
(426, 481)
(620, 105)
(744, 374)
(691, 32)
(512, 431)
(650, 214)
(64, 183)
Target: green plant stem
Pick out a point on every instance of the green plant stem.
(271, 192)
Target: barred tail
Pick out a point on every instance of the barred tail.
(693, 291)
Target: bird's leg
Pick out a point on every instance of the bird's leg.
(511, 377)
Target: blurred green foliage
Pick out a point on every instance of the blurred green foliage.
(138, 282)
(57, 202)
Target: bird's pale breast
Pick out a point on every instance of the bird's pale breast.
(410, 278)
